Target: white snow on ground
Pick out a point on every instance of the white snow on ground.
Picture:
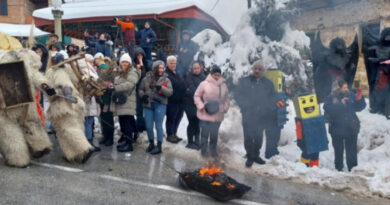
(370, 178)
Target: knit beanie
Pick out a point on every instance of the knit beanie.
(125, 57)
(88, 57)
(98, 55)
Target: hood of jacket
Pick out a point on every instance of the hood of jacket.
(210, 79)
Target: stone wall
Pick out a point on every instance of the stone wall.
(344, 20)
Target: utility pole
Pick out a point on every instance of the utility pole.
(57, 14)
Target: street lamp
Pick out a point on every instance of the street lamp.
(57, 13)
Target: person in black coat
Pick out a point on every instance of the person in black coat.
(186, 52)
(257, 99)
(175, 108)
(192, 82)
(344, 125)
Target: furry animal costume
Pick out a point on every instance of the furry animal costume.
(20, 136)
(67, 117)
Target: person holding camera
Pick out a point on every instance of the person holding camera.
(212, 102)
(154, 91)
(124, 101)
(344, 125)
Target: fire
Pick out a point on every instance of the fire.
(230, 186)
(213, 170)
(215, 183)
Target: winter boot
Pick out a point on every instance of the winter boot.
(122, 139)
(172, 139)
(258, 160)
(156, 150)
(151, 146)
(126, 147)
(178, 138)
(95, 148)
(249, 163)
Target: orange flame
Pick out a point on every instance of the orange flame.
(215, 183)
(210, 170)
(230, 186)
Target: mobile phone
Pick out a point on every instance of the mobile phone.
(359, 93)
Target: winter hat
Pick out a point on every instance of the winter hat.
(157, 63)
(88, 57)
(98, 55)
(125, 57)
(215, 69)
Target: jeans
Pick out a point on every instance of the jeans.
(349, 143)
(155, 116)
(88, 124)
(209, 131)
(253, 138)
(127, 123)
(174, 115)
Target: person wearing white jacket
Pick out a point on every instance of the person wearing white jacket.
(92, 109)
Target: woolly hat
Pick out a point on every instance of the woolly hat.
(99, 55)
(57, 58)
(125, 57)
(88, 57)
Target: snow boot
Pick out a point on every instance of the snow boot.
(126, 147)
(173, 139)
(258, 160)
(151, 146)
(249, 163)
(156, 150)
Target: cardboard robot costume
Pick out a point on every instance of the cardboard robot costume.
(21, 132)
(66, 115)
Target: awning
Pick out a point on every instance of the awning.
(20, 30)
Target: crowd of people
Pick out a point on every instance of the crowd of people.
(142, 92)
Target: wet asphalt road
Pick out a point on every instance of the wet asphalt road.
(114, 178)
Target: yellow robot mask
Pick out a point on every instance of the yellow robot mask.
(306, 106)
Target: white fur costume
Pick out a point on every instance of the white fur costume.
(19, 137)
(68, 118)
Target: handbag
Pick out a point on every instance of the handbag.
(212, 107)
(119, 98)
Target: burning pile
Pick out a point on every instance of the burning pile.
(212, 181)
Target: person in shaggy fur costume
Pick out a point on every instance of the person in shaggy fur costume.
(22, 134)
(66, 115)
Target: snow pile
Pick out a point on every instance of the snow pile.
(259, 37)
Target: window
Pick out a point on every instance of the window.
(3, 8)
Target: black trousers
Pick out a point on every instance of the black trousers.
(174, 115)
(140, 123)
(107, 125)
(253, 138)
(209, 132)
(127, 125)
(349, 143)
(193, 129)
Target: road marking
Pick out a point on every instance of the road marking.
(139, 183)
(67, 169)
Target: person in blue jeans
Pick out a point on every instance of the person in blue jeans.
(154, 91)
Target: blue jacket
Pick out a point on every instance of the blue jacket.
(144, 34)
(342, 118)
(100, 46)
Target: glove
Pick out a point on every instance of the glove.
(50, 91)
(145, 99)
(158, 87)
